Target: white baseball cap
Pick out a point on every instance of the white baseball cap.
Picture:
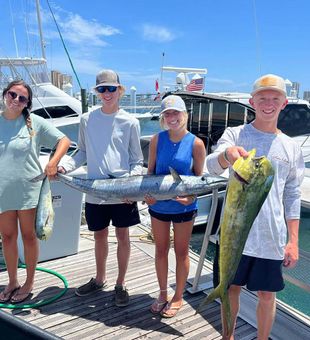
(269, 82)
(173, 102)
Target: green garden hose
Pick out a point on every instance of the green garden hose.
(44, 301)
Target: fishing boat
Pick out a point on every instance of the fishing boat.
(52, 102)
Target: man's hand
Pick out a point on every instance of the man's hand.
(290, 255)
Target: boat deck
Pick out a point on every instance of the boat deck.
(96, 316)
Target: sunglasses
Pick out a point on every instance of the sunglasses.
(102, 89)
(21, 99)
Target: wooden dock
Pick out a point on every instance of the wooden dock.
(96, 316)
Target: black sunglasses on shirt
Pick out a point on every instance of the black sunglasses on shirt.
(102, 88)
(21, 99)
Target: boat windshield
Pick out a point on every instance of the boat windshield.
(294, 120)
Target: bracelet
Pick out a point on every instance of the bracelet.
(225, 156)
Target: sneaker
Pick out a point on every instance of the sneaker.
(89, 287)
(121, 296)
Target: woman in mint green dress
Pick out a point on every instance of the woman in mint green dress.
(21, 136)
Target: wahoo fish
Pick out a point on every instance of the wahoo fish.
(248, 187)
(45, 214)
(134, 188)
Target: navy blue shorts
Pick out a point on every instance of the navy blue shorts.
(176, 218)
(99, 216)
(255, 273)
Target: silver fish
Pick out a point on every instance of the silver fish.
(134, 188)
(45, 213)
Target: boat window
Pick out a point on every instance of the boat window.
(236, 114)
(204, 120)
(55, 112)
(194, 123)
(294, 120)
(219, 117)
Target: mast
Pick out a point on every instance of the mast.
(40, 29)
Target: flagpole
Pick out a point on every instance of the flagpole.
(161, 73)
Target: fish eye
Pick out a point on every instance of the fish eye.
(256, 164)
(203, 178)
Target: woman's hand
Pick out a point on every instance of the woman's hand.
(187, 200)
(149, 200)
(51, 170)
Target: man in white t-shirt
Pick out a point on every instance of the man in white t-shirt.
(267, 247)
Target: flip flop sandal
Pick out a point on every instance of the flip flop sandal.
(23, 297)
(157, 306)
(170, 311)
(8, 295)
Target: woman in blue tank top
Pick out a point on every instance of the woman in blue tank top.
(177, 148)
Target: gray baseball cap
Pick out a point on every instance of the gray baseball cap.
(107, 78)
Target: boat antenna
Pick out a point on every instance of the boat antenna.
(14, 32)
(258, 49)
(83, 91)
(161, 73)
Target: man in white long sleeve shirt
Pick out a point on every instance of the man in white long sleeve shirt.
(267, 248)
(109, 141)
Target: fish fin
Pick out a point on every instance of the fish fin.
(215, 293)
(38, 178)
(175, 175)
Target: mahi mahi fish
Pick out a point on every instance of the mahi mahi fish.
(45, 213)
(248, 187)
(134, 188)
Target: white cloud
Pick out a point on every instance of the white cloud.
(73, 27)
(157, 33)
(79, 31)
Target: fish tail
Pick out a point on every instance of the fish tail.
(216, 293)
(228, 326)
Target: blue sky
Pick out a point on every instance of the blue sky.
(234, 42)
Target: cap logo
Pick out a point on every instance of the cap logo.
(169, 102)
(269, 81)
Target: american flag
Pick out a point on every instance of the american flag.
(195, 85)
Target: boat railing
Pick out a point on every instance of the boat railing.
(210, 235)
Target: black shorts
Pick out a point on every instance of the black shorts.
(176, 218)
(99, 216)
(255, 273)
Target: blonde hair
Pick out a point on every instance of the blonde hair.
(164, 126)
(122, 90)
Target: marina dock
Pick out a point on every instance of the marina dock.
(96, 316)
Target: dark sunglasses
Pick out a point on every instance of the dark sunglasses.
(14, 95)
(102, 89)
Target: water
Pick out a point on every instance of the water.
(150, 127)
